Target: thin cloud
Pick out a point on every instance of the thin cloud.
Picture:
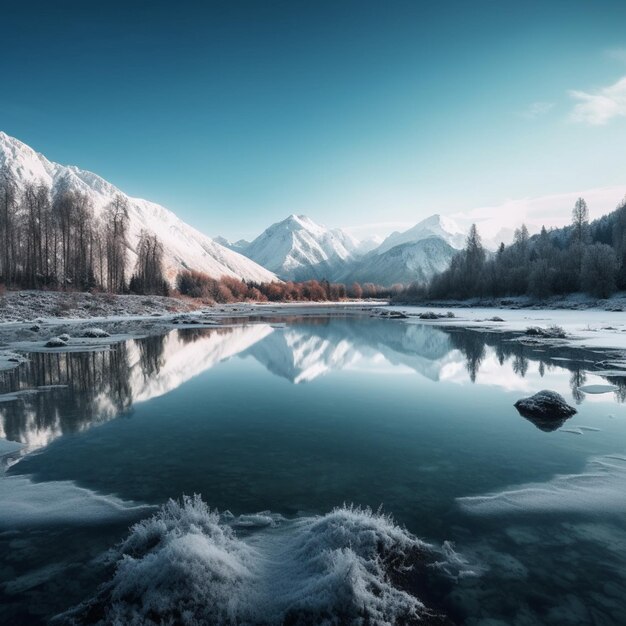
(617, 54)
(537, 109)
(552, 210)
(600, 107)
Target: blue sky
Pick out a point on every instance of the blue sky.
(236, 114)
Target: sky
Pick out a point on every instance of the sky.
(365, 115)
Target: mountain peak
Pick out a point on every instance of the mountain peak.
(300, 221)
(184, 246)
(435, 225)
(299, 248)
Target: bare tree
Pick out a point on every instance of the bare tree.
(8, 227)
(116, 231)
(148, 276)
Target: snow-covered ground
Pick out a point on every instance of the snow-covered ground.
(21, 306)
(573, 301)
(585, 328)
(36, 316)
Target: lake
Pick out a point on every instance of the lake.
(307, 413)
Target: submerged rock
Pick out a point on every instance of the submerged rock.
(547, 410)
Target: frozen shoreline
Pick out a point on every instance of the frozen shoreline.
(17, 307)
(590, 328)
(31, 317)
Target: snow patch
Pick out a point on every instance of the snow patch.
(597, 389)
(27, 503)
(599, 488)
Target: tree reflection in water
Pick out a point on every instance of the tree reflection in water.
(93, 387)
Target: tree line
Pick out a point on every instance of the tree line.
(56, 241)
(228, 289)
(583, 257)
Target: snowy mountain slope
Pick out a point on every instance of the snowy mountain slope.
(298, 249)
(237, 246)
(433, 226)
(185, 247)
(405, 263)
(368, 244)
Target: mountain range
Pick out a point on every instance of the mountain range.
(184, 246)
(296, 248)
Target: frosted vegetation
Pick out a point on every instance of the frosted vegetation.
(350, 566)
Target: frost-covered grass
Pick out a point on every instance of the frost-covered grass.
(18, 306)
(186, 565)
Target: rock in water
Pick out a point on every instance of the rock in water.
(95, 333)
(546, 409)
(56, 342)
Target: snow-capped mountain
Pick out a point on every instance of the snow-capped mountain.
(405, 263)
(415, 255)
(368, 244)
(434, 226)
(237, 246)
(185, 247)
(298, 249)
(504, 235)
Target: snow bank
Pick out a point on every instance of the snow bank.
(9, 360)
(597, 389)
(591, 328)
(186, 565)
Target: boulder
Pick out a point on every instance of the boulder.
(428, 315)
(56, 342)
(546, 409)
(95, 333)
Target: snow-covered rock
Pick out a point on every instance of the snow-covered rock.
(55, 342)
(95, 333)
(185, 247)
(349, 564)
(298, 249)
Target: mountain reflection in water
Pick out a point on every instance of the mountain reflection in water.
(79, 390)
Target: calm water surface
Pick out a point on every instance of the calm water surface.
(302, 416)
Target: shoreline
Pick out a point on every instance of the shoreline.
(34, 316)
